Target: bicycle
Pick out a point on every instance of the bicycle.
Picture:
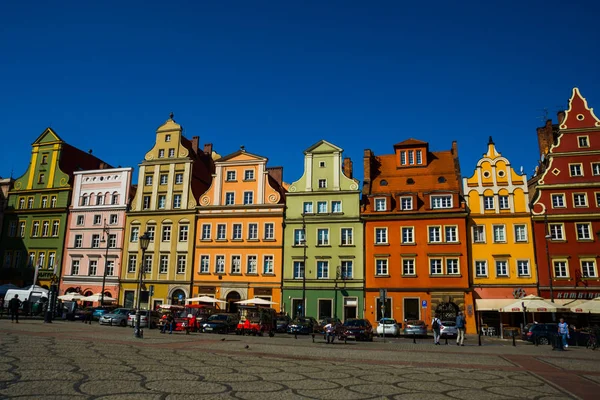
(592, 341)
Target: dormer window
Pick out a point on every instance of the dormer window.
(167, 138)
(322, 183)
(171, 153)
(411, 157)
(402, 158)
(381, 204)
(441, 201)
(583, 141)
(419, 157)
(161, 153)
(321, 164)
(406, 203)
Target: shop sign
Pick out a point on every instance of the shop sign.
(424, 303)
(577, 295)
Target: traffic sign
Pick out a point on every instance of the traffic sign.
(424, 303)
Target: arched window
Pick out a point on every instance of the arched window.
(178, 297)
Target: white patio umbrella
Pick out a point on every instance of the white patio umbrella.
(592, 306)
(204, 299)
(71, 297)
(97, 297)
(256, 301)
(532, 303)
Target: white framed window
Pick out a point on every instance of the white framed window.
(583, 231)
(451, 233)
(558, 200)
(236, 232)
(408, 234)
(322, 164)
(164, 179)
(402, 158)
(406, 203)
(520, 233)
(97, 219)
(132, 263)
(248, 198)
(36, 229)
(381, 236)
(580, 200)
(229, 198)
(150, 229)
(452, 267)
(206, 228)
(45, 228)
(146, 202)
(93, 268)
(162, 201)
(252, 231)
(336, 206)
(135, 232)
(298, 269)
(95, 241)
(322, 237)
(184, 233)
(177, 201)
(161, 153)
(523, 268)
(441, 201)
(583, 141)
(178, 179)
(499, 233)
(503, 202)
(576, 169)
(308, 207)
(596, 169)
(488, 202)
(74, 267)
(114, 219)
(171, 153)
(321, 207)
(269, 231)
(501, 268)
(588, 269)
(163, 266)
(478, 234)
(236, 264)
(249, 175)
(53, 201)
(435, 266)
(419, 157)
(435, 234)
(221, 232)
(381, 267)
(380, 204)
(44, 201)
(322, 183)
(411, 157)
(167, 138)
(322, 270)
(114, 199)
(55, 225)
(481, 268)
(347, 269)
(408, 266)
(230, 176)
(251, 265)
(30, 202)
(112, 241)
(347, 238)
(148, 180)
(268, 265)
(556, 231)
(299, 237)
(110, 268)
(99, 200)
(204, 264)
(220, 264)
(166, 233)
(561, 269)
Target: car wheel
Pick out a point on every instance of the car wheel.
(123, 323)
(543, 340)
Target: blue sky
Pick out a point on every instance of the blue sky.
(277, 76)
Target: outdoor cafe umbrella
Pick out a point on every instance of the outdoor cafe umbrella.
(591, 306)
(532, 303)
(98, 297)
(256, 301)
(205, 299)
(73, 296)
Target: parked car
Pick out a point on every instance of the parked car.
(541, 333)
(392, 328)
(220, 323)
(449, 329)
(303, 325)
(256, 321)
(415, 327)
(81, 313)
(326, 321)
(101, 310)
(358, 329)
(148, 319)
(118, 316)
(281, 323)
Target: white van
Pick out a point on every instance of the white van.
(32, 293)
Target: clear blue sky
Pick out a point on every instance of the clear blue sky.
(277, 76)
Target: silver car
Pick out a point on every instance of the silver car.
(448, 329)
(117, 317)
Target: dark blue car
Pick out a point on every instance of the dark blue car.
(303, 325)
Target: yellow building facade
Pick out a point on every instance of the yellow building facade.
(501, 247)
(239, 241)
(171, 178)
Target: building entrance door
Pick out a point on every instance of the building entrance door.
(350, 308)
(231, 298)
(296, 308)
(411, 309)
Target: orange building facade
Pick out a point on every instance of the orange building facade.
(415, 235)
(239, 244)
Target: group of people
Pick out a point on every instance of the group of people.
(461, 324)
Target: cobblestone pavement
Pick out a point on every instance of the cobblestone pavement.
(68, 360)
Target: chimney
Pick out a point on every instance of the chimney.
(367, 159)
(347, 167)
(545, 138)
(208, 148)
(276, 173)
(455, 149)
(195, 140)
(561, 116)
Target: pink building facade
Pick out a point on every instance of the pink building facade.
(95, 231)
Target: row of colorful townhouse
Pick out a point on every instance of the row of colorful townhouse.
(229, 227)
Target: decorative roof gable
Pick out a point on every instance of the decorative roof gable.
(579, 115)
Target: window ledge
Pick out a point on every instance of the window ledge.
(347, 245)
(585, 240)
(236, 274)
(221, 240)
(445, 275)
(266, 240)
(251, 240)
(268, 274)
(382, 276)
(206, 240)
(408, 244)
(203, 273)
(382, 244)
(252, 273)
(237, 240)
(409, 276)
(323, 245)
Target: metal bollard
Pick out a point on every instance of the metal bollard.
(414, 338)
(446, 341)
(479, 338)
(313, 337)
(514, 343)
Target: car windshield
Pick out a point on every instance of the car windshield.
(122, 311)
(448, 323)
(355, 322)
(217, 317)
(387, 321)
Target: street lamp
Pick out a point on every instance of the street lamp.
(548, 237)
(105, 231)
(338, 275)
(144, 242)
(304, 265)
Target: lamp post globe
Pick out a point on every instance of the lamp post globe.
(144, 243)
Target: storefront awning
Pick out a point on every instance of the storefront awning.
(492, 304)
(569, 302)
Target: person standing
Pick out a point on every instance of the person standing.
(13, 306)
(436, 326)
(460, 329)
(563, 331)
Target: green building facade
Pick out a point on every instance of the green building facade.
(35, 220)
(323, 258)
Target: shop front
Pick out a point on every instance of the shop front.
(326, 303)
(570, 299)
(489, 302)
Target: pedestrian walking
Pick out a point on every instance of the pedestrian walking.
(13, 306)
(436, 325)
(330, 331)
(563, 331)
(460, 329)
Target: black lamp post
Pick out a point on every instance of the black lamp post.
(105, 232)
(144, 242)
(548, 237)
(303, 314)
(338, 275)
